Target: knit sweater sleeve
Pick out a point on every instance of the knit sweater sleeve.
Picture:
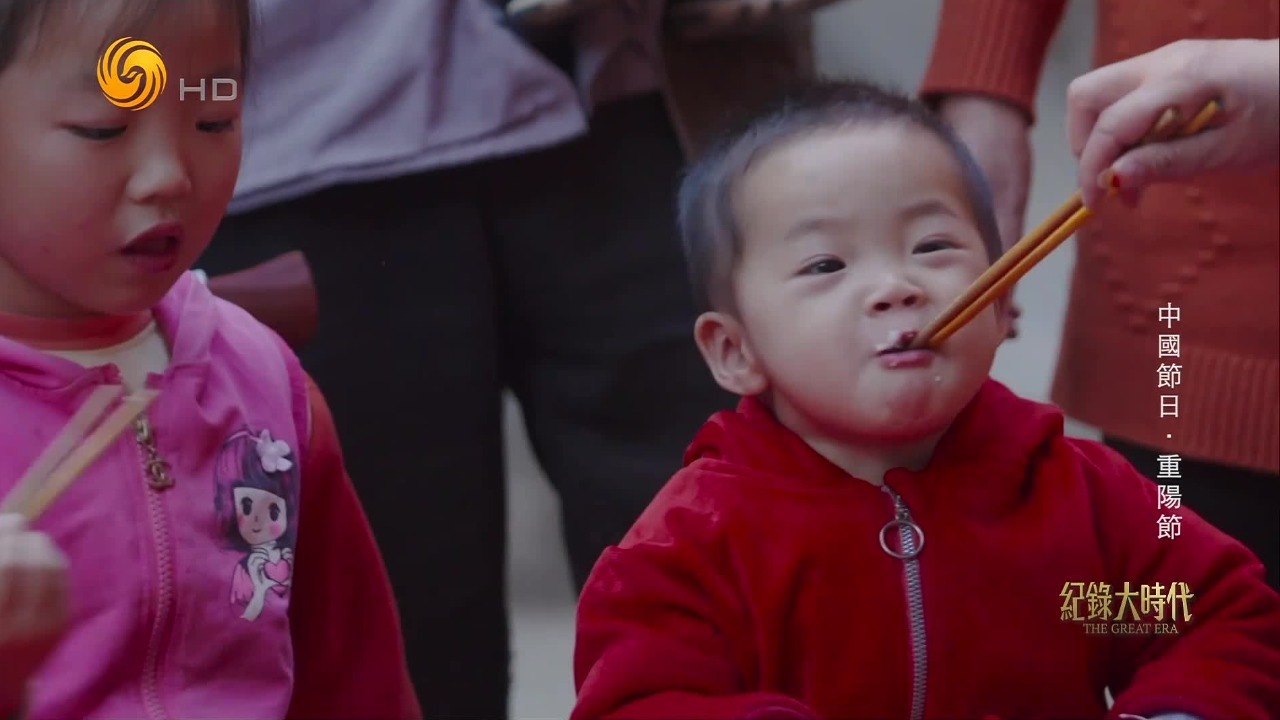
(995, 48)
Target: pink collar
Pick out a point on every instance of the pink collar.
(93, 333)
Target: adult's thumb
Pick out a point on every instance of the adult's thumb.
(1170, 160)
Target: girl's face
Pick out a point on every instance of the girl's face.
(260, 515)
(103, 208)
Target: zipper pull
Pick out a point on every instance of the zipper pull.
(154, 466)
(913, 539)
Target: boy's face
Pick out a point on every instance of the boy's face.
(102, 208)
(848, 238)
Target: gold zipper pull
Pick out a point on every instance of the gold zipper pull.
(155, 467)
(142, 430)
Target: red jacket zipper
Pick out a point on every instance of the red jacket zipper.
(911, 538)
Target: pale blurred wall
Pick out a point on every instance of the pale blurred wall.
(883, 40)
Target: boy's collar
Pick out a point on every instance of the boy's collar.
(989, 445)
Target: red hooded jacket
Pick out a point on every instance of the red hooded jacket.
(756, 586)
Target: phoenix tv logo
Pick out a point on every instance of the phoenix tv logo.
(132, 76)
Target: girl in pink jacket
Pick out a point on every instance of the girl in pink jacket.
(214, 562)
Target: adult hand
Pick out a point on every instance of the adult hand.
(33, 606)
(998, 136)
(1113, 107)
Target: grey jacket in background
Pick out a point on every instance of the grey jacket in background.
(343, 91)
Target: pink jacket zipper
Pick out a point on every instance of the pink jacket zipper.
(155, 477)
(164, 603)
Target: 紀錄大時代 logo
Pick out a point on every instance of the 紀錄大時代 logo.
(133, 76)
(1148, 609)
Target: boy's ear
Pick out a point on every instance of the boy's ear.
(724, 346)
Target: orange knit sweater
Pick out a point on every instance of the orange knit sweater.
(1210, 247)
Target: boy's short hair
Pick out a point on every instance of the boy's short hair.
(22, 19)
(708, 223)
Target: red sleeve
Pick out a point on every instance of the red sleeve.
(1225, 662)
(348, 652)
(655, 637)
(992, 47)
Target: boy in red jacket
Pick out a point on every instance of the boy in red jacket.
(878, 533)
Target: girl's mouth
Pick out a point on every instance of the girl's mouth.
(156, 250)
(156, 246)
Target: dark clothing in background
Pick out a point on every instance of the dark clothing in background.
(1242, 503)
(557, 274)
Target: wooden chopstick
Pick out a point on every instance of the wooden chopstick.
(978, 295)
(1002, 285)
(930, 335)
(48, 477)
(72, 433)
(88, 451)
(1015, 263)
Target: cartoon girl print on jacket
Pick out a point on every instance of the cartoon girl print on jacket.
(256, 481)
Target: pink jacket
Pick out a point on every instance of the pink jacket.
(184, 597)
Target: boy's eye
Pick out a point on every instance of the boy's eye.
(97, 133)
(246, 506)
(275, 511)
(824, 266)
(934, 245)
(220, 126)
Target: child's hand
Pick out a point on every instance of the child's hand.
(33, 605)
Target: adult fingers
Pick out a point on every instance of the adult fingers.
(1170, 160)
(1095, 91)
(1132, 120)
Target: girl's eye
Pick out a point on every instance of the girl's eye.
(220, 126)
(934, 245)
(274, 511)
(97, 133)
(246, 506)
(824, 266)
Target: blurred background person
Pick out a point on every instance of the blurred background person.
(485, 213)
(1205, 246)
